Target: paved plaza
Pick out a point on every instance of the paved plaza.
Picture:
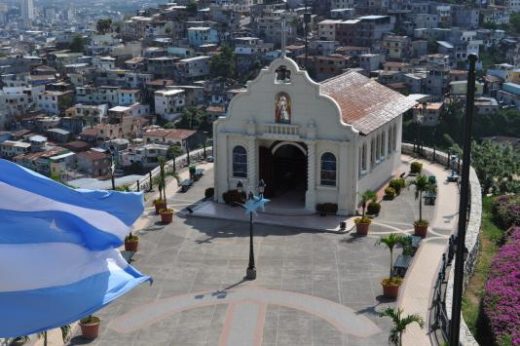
(312, 287)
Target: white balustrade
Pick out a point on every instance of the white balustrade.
(285, 130)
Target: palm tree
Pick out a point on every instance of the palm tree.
(422, 184)
(391, 241)
(366, 197)
(400, 324)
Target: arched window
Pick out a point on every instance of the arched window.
(239, 162)
(328, 169)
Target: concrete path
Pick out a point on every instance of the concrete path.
(416, 292)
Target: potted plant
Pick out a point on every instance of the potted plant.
(166, 216)
(160, 203)
(89, 327)
(392, 283)
(416, 167)
(363, 222)
(422, 184)
(400, 324)
(131, 242)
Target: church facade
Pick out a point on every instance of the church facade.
(310, 142)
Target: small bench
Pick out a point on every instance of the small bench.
(186, 184)
(453, 178)
(429, 198)
(401, 264)
(416, 242)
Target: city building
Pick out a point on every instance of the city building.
(169, 103)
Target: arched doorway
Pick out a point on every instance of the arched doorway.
(283, 167)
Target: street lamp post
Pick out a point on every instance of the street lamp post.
(187, 152)
(204, 143)
(112, 167)
(251, 206)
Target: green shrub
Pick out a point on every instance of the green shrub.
(209, 192)
(397, 184)
(327, 208)
(123, 188)
(373, 208)
(233, 196)
(506, 210)
(416, 167)
(331, 208)
(390, 193)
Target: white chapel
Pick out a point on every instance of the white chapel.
(310, 142)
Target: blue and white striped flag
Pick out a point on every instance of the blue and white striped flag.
(58, 250)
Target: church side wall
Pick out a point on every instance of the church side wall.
(382, 170)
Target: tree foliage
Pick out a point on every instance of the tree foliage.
(194, 119)
(450, 131)
(191, 7)
(174, 151)
(77, 45)
(497, 167)
(514, 22)
(104, 26)
(223, 64)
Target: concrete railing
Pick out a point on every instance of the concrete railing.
(472, 233)
(180, 162)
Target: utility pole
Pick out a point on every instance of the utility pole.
(306, 21)
(463, 207)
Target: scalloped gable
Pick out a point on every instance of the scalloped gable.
(365, 104)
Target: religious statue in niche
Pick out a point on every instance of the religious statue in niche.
(283, 108)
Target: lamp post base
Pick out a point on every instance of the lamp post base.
(251, 273)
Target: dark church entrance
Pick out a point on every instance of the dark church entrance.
(284, 172)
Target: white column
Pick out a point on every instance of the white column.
(343, 173)
(251, 164)
(221, 173)
(310, 196)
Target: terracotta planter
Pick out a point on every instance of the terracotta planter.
(159, 205)
(390, 291)
(90, 330)
(131, 245)
(420, 230)
(362, 228)
(166, 216)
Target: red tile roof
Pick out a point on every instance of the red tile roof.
(177, 134)
(364, 103)
(92, 155)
